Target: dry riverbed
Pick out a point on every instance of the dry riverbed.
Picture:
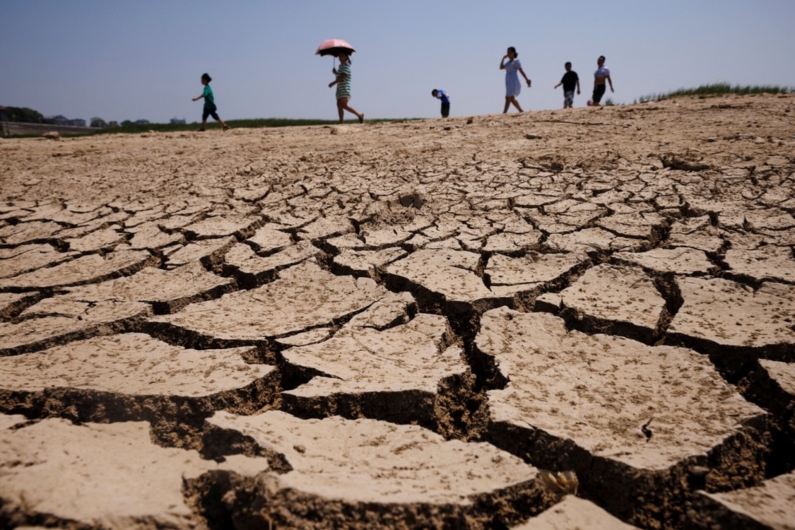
(438, 324)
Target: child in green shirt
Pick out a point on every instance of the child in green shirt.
(209, 103)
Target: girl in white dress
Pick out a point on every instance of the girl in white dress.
(512, 85)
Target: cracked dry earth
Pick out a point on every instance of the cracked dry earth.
(423, 324)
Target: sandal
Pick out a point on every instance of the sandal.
(361, 118)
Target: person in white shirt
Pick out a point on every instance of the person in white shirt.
(601, 75)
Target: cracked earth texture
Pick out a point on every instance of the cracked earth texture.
(404, 325)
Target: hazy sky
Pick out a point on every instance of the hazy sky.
(143, 59)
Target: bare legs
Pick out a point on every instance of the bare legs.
(215, 116)
(225, 126)
(511, 100)
(342, 106)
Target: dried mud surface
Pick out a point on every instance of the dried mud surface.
(402, 325)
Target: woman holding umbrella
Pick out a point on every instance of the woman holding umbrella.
(512, 85)
(341, 49)
(343, 83)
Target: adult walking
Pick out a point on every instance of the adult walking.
(601, 75)
(343, 83)
(512, 85)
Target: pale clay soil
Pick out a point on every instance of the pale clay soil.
(423, 324)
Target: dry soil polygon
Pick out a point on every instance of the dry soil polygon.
(721, 315)
(100, 476)
(87, 269)
(769, 506)
(246, 317)
(167, 290)
(376, 474)
(55, 321)
(574, 513)
(643, 415)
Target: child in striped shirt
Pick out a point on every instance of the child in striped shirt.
(343, 83)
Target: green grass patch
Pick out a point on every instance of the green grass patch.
(717, 89)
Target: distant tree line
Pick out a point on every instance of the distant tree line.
(24, 115)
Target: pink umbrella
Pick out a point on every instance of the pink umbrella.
(334, 47)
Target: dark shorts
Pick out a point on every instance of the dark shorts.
(445, 110)
(210, 112)
(598, 92)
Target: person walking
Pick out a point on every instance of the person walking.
(209, 103)
(343, 82)
(512, 85)
(601, 75)
(440, 94)
(570, 81)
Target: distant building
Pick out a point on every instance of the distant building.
(63, 120)
(141, 122)
(178, 121)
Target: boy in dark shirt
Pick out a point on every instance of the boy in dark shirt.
(570, 81)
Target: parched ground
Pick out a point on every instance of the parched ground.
(549, 320)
